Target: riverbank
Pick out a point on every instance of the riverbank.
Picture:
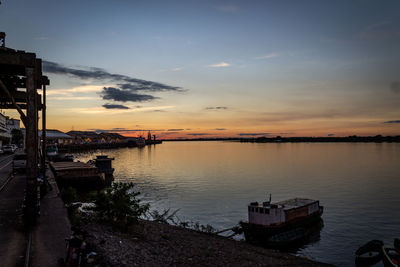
(156, 244)
(73, 148)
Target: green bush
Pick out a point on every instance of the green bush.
(69, 195)
(119, 205)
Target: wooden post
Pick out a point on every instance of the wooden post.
(43, 163)
(31, 149)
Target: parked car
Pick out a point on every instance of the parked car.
(19, 163)
(8, 149)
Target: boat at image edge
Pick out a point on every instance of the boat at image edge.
(268, 221)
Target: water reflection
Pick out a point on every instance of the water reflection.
(212, 183)
(312, 236)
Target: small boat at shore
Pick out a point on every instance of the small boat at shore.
(369, 253)
(375, 251)
(285, 220)
(390, 256)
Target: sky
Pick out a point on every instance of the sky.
(191, 69)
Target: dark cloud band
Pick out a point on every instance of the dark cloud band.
(216, 108)
(115, 106)
(128, 87)
(116, 94)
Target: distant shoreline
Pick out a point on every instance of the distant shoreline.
(278, 139)
(74, 148)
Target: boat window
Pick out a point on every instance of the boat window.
(249, 208)
(266, 211)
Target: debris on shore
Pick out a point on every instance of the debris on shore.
(149, 243)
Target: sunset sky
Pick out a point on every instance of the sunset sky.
(215, 68)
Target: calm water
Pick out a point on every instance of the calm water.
(212, 182)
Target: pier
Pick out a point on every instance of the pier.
(77, 174)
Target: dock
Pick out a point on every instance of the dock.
(77, 174)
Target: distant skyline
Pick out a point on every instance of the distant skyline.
(195, 69)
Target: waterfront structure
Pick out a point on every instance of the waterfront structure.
(20, 78)
(90, 137)
(57, 137)
(12, 124)
(4, 134)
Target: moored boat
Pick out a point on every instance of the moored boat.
(369, 253)
(140, 141)
(271, 219)
(390, 256)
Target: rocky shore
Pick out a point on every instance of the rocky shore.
(156, 244)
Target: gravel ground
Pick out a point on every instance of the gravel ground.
(156, 244)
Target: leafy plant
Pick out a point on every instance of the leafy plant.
(119, 205)
(69, 195)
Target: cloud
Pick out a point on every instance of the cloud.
(72, 98)
(116, 94)
(131, 109)
(148, 86)
(228, 8)
(220, 65)
(396, 121)
(177, 69)
(253, 134)
(268, 56)
(395, 87)
(220, 129)
(198, 134)
(128, 87)
(115, 106)
(216, 108)
(174, 130)
(77, 89)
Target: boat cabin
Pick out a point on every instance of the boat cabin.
(281, 212)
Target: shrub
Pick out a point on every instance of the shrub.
(69, 195)
(119, 205)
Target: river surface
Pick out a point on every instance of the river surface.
(212, 182)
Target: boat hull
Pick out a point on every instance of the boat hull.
(390, 257)
(261, 234)
(369, 254)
